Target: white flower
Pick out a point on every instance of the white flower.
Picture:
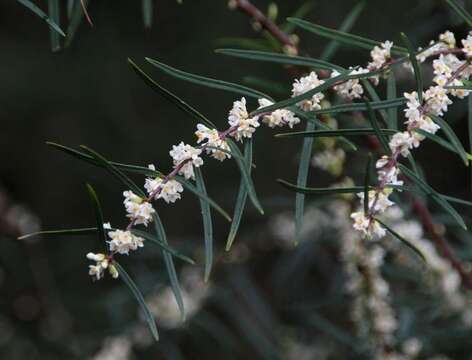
(278, 117)
(169, 190)
(214, 140)
(378, 201)
(330, 160)
(436, 100)
(124, 241)
(101, 264)
(369, 228)
(188, 154)
(401, 143)
(138, 210)
(350, 89)
(467, 45)
(380, 55)
(307, 83)
(239, 118)
(460, 93)
(448, 38)
(107, 226)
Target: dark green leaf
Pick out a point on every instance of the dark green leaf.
(451, 135)
(456, 200)
(440, 141)
(367, 185)
(376, 105)
(54, 15)
(320, 191)
(300, 13)
(464, 15)
(335, 133)
(416, 67)
(392, 94)
(75, 21)
(147, 6)
(375, 98)
(98, 213)
(28, 4)
(81, 231)
(375, 125)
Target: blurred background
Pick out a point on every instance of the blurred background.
(266, 299)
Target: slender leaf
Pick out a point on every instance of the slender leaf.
(451, 135)
(139, 297)
(207, 224)
(333, 133)
(98, 212)
(76, 18)
(392, 94)
(300, 13)
(81, 231)
(174, 99)
(208, 82)
(456, 200)
(54, 15)
(70, 8)
(403, 240)
(442, 142)
(375, 125)
(320, 191)
(342, 37)
(147, 7)
(375, 98)
(376, 105)
(367, 185)
(463, 14)
(31, 6)
(416, 66)
(245, 175)
(469, 122)
(241, 198)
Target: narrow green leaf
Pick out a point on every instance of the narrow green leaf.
(31, 6)
(241, 198)
(416, 66)
(456, 200)
(76, 18)
(280, 58)
(98, 213)
(451, 135)
(174, 99)
(320, 191)
(302, 177)
(403, 240)
(244, 43)
(54, 15)
(432, 194)
(208, 82)
(349, 21)
(440, 141)
(463, 14)
(300, 13)
(147, 7)
(376, 105)
(375, 98)
(342, 37)
(207, 224)
(169, 263)
(469, 122)
(392, 94)
(333, 133)
(375, 125)
(70, 8)
(115, 172)
(81, 231)
(245, 175)
(367, 185)
(139, 297)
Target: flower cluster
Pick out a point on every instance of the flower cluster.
(305, 84)
(102, 262)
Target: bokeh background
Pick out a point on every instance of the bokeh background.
(265, 296)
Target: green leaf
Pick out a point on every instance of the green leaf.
(155, 240)
(375, 98)
(351, 18)
(31, 6)
(147, 7)
(246, 176)
(376, 105)
(208, 82)
(342, 37)
(333, 133)
(456, 200)
(463, 14)
(469, 121)
(207, 224)
(98, 213)
(451, 135)
(392, 94)
(440, 141)
(241, 198)
(367, 185)
(169, 263)
(403, 240)
(139, 297)
(76, 18)
(54, 15)
(244, 43)
(115, 172)
(375, 125)
(81, 231)
(320, 191)
(302, 177)
(280, 59)
(432, 194)
(416, 66)
(174, 99)
(303, 10)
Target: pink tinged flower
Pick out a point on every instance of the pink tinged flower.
(307, 83)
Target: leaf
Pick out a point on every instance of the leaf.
(440, 141)
(280, 59)
(174, 99)
(367, 185)
(139, 297)
(463, 14)
(207, 224)
(403, 240)
(147, 7)
(303, 10)
(375, 98)
(320, 191)
(241, 198)
(75, 20)
(451, 135)
(469, 121)
(376, 105)
(333, 133)
(245, 176)
(245, 43)
(392, 94)
(208, 82)
(428, 190)
(155, 240)
(169, 263)
(375, 125)
(351, 18)
(456, 200)
(342, 37)
(416, 67)
(81, 231)
(54, 15)
(115, 172)
(303, 168)
(98, 213)
(31, 6)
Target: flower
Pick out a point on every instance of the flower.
(213, 140)
(350, 89)
(387, 171)
(380, 55)
(239, 118)
(331, 160)
(467, 45)
(448, 38)
(370, 228)
(401, 142)
(139, 211)
(188, 155)
(124, 241)
(436, 100)
(307, 83)
(101, 264)
(168, 190)
(278, 117)
(378, 200)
